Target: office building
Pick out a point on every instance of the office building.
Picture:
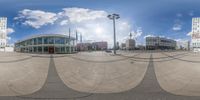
(123, 46)
(100, 45)
(92, 46)
(46, 43)
(130, 44)
(195, 34)
(159, 43)
(183, 45)
(84, 46)
(140, 47)
(3, 33)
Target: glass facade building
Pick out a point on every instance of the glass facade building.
(159, 43)
(46, 43)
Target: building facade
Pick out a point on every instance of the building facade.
(46, 43)
(3, 33)
(140, 47)
(160, 43)
(84, 46)
(100, 45)
(123, 46)
(195, 34)
(130, 44)
(183, 45)
(92, 46)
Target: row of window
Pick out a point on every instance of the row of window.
(195, 28)
(160, 44)
(2, 43)
(2, 27)
(46, 49)
(2, 36)
(45, 40)
(196, 44)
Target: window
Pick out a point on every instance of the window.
(59, 41)
(39, 40)
(39, 49)
(45, 40)
(51, 40)
(45, 49)
(35, 41)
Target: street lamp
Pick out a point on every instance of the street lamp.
(69, 40)
(114, 17)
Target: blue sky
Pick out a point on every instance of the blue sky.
(169, 18)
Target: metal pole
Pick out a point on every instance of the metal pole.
(69, 41)
(76, 40)
(114, 35)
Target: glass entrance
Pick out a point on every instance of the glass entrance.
(51, 50)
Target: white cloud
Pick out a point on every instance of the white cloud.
(149, 35)
(92, 24)
(10, 30)
(191, 13)
(189, 34)
(36, 18)
(64, 22)
(161, 36)
(82, 14)
(177, 27)
(8, 38)
(138, 32)
(179, 15)
(181, 40)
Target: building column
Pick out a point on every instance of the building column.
(42, 45)
(37, 44)
(70, 46)
(32, 43)
(65, 45)
(54, 44)
(73, 45)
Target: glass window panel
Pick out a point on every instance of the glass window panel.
(45, 40)
(59, 41)
(51, 40)
(39, 49)
(34, 41)
(45, 49)
(39, 40)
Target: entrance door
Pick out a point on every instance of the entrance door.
(51, 50)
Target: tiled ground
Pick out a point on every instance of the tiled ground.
(100, 76)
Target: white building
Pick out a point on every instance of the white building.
(123, 46)
(130, 44)
(182, 45)
(195, 33)
(3, 33)
(160, 43)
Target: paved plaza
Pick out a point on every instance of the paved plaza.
(100, 76)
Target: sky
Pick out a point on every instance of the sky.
(166, 18)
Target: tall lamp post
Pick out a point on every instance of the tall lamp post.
(69, 40)
(114, 17)
(76, 40)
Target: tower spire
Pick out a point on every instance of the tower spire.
(130, 35)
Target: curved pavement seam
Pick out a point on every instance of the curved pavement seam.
(53, 76)
(141, 92)
(181, 59)
(18, 60)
